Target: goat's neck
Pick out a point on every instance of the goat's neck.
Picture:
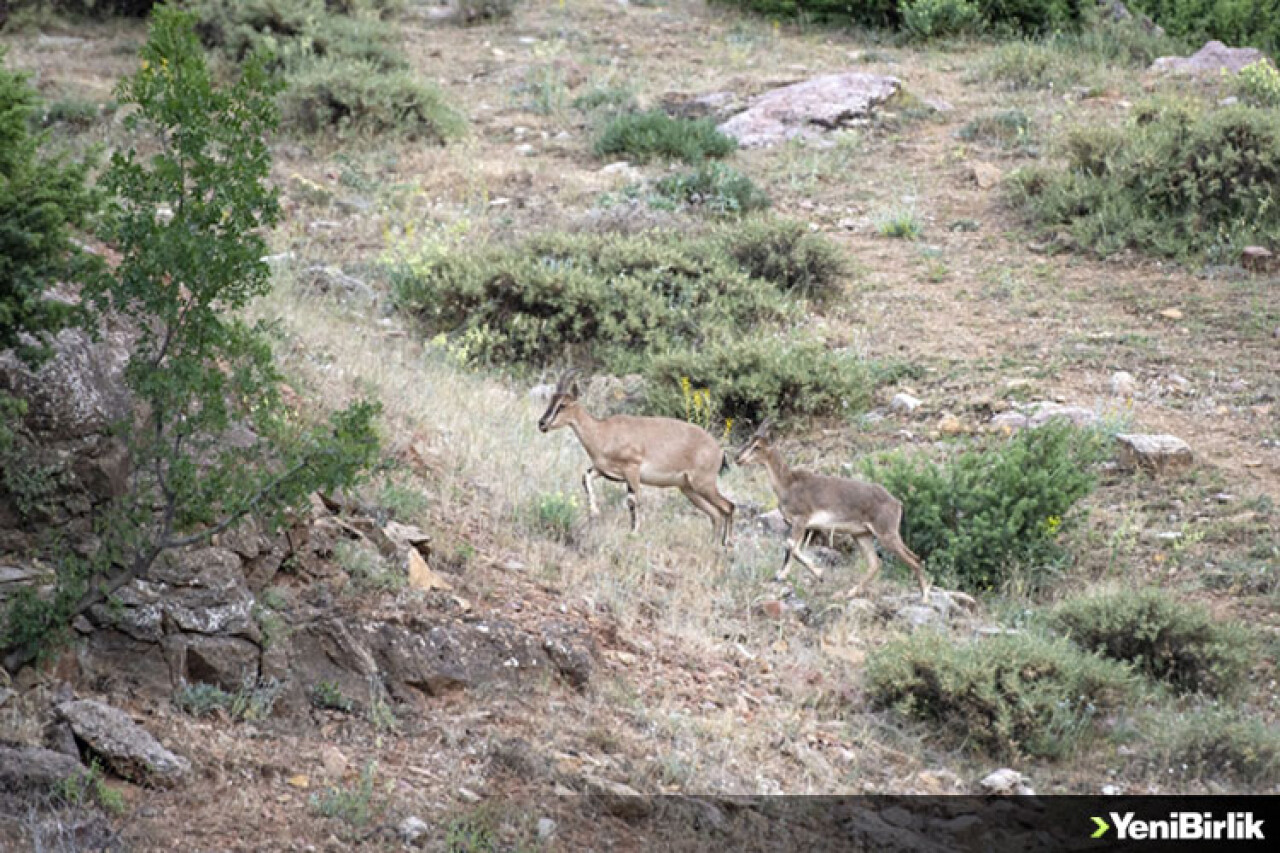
(779, 474)
(584, 426)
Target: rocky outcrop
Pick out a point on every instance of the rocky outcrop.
(810, 108)
(1160, 454)
(1209, 61)
(27, 768)
(124, 747)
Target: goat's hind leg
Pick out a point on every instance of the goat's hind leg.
(587, 477)
(867, 544)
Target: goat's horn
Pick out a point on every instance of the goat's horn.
(765, 426)
(565, 379)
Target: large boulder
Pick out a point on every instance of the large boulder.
(27, 768)
(810, 108)
(124, 747)
(1209, 61)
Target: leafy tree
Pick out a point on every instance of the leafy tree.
(210, 441)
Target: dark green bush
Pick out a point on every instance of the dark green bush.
(668, 305)
(788, 254)
(714, 187)
(1024, 16)
(1008, 695)
(1177, 181)
(1236, 22)
(751, 377)
(43, 201)
(994, 511)
(558, 296)
(357, 96)
(1168, 638)
(640, 137)
(474, 11)
(926, 19)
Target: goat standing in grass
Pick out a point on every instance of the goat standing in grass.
(630, 449)
(816, 502)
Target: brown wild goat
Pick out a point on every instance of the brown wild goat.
(816, 502)
(654, 451)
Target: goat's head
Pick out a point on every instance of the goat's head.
(563, 399)
(750, 453)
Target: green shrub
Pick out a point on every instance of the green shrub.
(352, 804)
(1259, 84)
(900, 224)
(475, 11)
(752, 377)
(43, 202)
(1235, 22)
(554, 515)
(1007, 129)
(1177, 181)
(355, 96)
(607, 100)
(1032, 16)
(328, 696)
(642, 136)
(714, 187)
(1215, 743)
(872, 13)
(1008, 695)
(560, 296)
(796, 260)
(927, 19)
(250, 702)
(992, 512)
(1168, 638)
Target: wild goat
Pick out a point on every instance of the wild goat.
(655, 451)
(811, 502)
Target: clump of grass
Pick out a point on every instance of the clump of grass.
(1167, 638)
(90, 787)
(716, 188)
(352, 804)
(250, 702)
(900, 224)
(554, 515)
(605, 100)
(1215, 743)
(1179, 181)
(328, 696)
(641, 137)
(367, 568)
(1032, 65)
(1007, 695)
(1007, 129)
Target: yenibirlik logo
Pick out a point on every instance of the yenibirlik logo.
(1182, 826)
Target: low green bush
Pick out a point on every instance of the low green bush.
(993, 513)
(1011, 16)
(666, 304)
(1006, 129)
(928, 19)
(1235, 22)
(1259, 84)
(1213, 743)
(476, 11)
(640, 137)
(355, 96)
(1170, 639)
(872, 13)
(1008, 695)
(1179, 180)
(753, 377)
(714, 187)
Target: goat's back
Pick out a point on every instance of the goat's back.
(853, 500)
(665, 442)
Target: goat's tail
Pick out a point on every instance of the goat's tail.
(724, 462)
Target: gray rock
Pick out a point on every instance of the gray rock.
(27, 768)
(332, 281)
(1122, 384)
(919, 616)
(1157, 453)
(125, 748)
(413, 830)
(810, 108)
(772, 522)
(617, 798)
(1002, 781)
(546, 828)
(1078, 415)
(1209, 61)
(570, 651)
(1009, 421)
(903, 403)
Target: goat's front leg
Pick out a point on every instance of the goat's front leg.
(868, 545)
(587, 477)
(793, 550)
(633, 499)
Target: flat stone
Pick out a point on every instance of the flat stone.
(1210, 60)
(807, 110)
(903, 403)
(1157, 453)
(1078, 415)
(126, 748)
(25, 768)
(985, 175)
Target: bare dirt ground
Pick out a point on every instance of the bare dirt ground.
(694, 690)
